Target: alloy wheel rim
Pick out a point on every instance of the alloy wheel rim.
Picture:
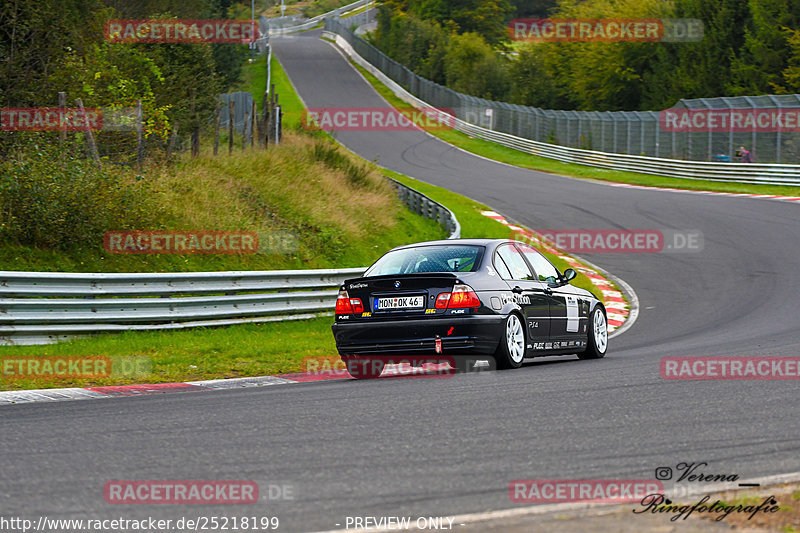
(515, 339)
(600, 332)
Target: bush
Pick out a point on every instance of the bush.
(52, 199)
(418, 44)
(473, 67)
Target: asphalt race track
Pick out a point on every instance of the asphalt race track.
(441, 447)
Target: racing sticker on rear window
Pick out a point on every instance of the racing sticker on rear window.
(572, 314)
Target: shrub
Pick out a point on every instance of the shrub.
(52, 199)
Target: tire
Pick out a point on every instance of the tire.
(511, 349)
(362, 366)
(597, 345)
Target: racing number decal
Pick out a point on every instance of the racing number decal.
(572, 314)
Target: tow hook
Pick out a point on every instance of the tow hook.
(438, 344)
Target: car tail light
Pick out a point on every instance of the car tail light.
(442, 300)
(343, 306)
(346, 305)
(462, 296)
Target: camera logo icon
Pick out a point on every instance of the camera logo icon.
(663, 473)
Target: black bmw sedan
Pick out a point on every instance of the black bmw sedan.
(466, 299)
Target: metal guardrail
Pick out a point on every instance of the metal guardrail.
(45, 307)
(310, 23)
(424, 206)
(42, 307)
(768, 174)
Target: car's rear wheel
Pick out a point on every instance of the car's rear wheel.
(598, 336)
(511, 350)
(362, 366)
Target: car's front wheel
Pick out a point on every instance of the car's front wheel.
(363, 367)
(598, 336)
(511, 350)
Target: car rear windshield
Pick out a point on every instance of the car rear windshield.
(434, 258)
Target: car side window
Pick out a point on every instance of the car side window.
(501, 267)
(545, 271)
(515, 263)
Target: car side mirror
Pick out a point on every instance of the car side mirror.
(569, 275)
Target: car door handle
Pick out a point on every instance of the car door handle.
(547, 290)
(517, 289)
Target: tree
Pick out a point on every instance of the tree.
(484, 17)
(473, 67)
(766, 51)
(533, 82)
(698, 69)
(418, 44)
(593, 75)
(791, 74)
(36, 38)
(532, 8)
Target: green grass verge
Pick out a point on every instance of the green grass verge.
(291, 105)
(189, 355)
(522, 159)
(254, 81)
(358, 11)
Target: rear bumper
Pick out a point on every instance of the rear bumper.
(469, 335)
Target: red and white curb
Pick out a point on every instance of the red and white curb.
(116, 391)
(617, 307)
(793, 199)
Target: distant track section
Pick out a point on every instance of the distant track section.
(765, 174)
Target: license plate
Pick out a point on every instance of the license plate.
(399, 302)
